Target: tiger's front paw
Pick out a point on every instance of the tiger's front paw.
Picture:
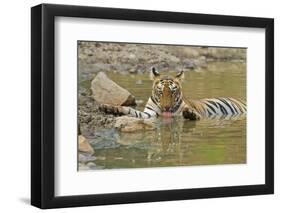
(115, 110)
(190, 114)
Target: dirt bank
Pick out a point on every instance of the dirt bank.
(125, 58)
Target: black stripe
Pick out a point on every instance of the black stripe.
(153, 100)
(147, 114)
(237, 109)
(209, 113)
(140, 115)
(222, 109)
(213, 103)
(136, 114)
(176, 107)
(234, 106)
(227, 104)
(242, 102)
(210, 106)
(150, 108)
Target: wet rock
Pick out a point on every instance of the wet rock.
(139, 140)
(133, 71)
(84, 145)
(91, 165)
(131, 124)
(84, 157)
(107, 91)
(105, 139)
(139, 102)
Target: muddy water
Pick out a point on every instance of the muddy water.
(177, 142)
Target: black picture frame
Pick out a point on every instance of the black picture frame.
(43, 102)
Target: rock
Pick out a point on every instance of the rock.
(189, 64)
(139, 102)
(92, 118)
(84, 145)
(106, 91)
(131, 124)
(133, 71)
(84, 157)
(105, 139)
(91, 165)
(139, 139)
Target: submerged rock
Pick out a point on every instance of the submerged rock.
(105, 139)
(131, 124)
(84, 145)
(85, 158)
(91, 165)
(106, 91)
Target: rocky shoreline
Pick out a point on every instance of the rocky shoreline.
(95, 57)
(92, 119)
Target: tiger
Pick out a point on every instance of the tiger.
(167, 100)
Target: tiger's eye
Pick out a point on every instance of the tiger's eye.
(174, 88)
(158, 87)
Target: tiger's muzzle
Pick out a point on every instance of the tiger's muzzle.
(167, 100)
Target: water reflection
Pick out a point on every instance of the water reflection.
(167, 140)
(175, 142)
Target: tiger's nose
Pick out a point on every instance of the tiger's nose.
(167, 109)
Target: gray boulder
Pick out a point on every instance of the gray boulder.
(106, 91)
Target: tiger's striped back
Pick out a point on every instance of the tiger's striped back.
(217, 107)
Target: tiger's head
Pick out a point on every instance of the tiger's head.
(167, 90)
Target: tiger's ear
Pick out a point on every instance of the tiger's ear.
(180, 75)
(154, 73)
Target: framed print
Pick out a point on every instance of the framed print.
(139, 106)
